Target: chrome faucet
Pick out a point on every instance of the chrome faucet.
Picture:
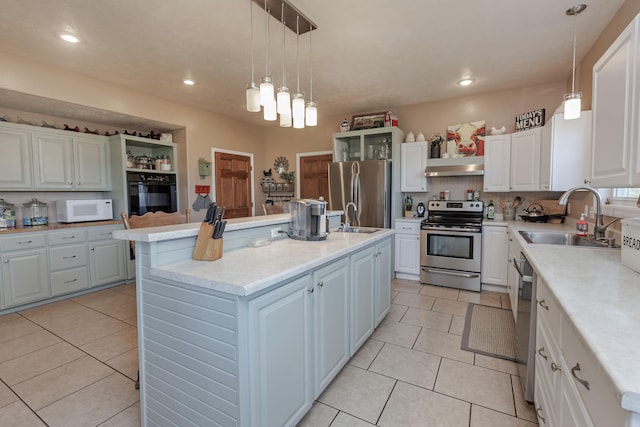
(599, 230)
(347, 222)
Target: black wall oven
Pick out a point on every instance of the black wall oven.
(148, 192)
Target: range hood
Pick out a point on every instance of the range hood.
(456, 166)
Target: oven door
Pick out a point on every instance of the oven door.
(451, 248)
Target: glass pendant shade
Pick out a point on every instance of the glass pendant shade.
(298, 106)
(284, 101)
(572, 105)
(253, 98)
(270, 112)
(311, 114)
(285, 120)
(266, 91)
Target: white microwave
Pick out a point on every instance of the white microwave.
(84, 210)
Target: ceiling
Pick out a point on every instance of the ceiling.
(368, 55)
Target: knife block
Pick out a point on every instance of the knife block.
(208, 250)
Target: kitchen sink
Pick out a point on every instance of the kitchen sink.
(363, 230)
(565, 239)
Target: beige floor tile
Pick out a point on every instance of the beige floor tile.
(483, 417)
(477, 385)
(440, 292)
(57, 383)
(420, 301)
(506, 302)
(346, 420)
(117, 305)
(126, 363)
(26, 344)
(443, 305)
(18, 414)
(490, 299)
(6, 395)
(427, 319)
(411, 366)
(496, 364)
(403, 285)
(320, 415)
(93, 404)
(393, 294)
(411, 406)
(51, 310)
(396, 312)
(397, 333)
(33, 364)
(113, 345)
(365, 355)
(457, 325)
(442, 344)
(358, 392)
(93, 297)
(92, 331)
(523, 409)
(82, 317)
(14, 325)
(133, 320)
(128, 289)
(130, 417)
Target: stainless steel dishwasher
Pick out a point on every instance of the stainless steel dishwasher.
(526, 325)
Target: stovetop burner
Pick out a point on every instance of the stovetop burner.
(453, 213)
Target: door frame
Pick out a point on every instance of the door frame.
(213, 174)
(307, 154)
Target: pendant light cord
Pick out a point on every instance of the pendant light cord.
(298, 51)
(310, 67)
(251, 37)
(284, 70)
(266, 37)
(573, 78)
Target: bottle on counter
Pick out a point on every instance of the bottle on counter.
(469, 194)
(491, 210)
(582, 226)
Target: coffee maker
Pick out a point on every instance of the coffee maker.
(308, 219)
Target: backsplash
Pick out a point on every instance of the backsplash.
(18, 198)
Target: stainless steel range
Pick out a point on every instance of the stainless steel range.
(451, 244)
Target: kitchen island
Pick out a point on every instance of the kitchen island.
(252, 338)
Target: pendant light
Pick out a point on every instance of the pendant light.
(284, 97)
(311, 112)
(298, 97)
(252, 92)
(266, 85)
(573, 100)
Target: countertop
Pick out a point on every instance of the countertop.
(601, 297)
(55, 226)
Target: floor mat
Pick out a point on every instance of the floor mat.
(490, 331)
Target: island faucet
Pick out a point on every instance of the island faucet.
(347, 222)
(599, 230)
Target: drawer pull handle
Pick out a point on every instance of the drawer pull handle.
(70, 237)
(543, 305)
(310, 290)
(321, 283)
(71, 281)
(69, 257)
(539, 412)
(555, 367)
(25, 243)
(575, 369)
(6, 261)
(541, 354)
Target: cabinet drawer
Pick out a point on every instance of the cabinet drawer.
(601, 399)
(67, 257)
(67, 237)
(548, 309)
(101, 233)
(407, 227)
(66, 281)
(23, 241)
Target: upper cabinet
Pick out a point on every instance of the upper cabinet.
(512, 162)
(413, 161)
(91, 164)
(367, 144)
(616, 76)
(15, 163)
(497, 162)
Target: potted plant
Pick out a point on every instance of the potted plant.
(436, 141)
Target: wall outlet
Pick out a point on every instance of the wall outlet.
(275, 232)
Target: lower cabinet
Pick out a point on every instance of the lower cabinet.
(68, 261)
(362, 297)
(106, 256)
(24, 276)
(407, 249)
(495, 255)
(382, 283)
(513, 283)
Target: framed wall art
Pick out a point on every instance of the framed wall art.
(466, 139)
(368, 121)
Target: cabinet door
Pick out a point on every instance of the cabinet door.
(53, 161)
(525, 160)
(362, 298)
(413, 161)
(497, 162)
(91, 164)
(495, 251)
(331, 326)
(407, 257)
(613, 88)
(512, 274)
(24, 276)
(382, 280)
(280, 354)
(572, 412)
(106, 262)
(15, 161)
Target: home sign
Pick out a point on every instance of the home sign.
(532, 119)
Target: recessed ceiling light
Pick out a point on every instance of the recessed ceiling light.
(188, 82)
(69, 38)
(465, 82)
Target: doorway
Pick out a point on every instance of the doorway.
(313, 178)
(233, 182)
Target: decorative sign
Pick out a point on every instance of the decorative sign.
(532, 119)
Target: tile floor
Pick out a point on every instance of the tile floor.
(73, 363)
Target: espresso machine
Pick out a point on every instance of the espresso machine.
(308, 219)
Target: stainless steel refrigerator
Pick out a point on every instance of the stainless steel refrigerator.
(367, 184)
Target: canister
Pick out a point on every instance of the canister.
(35, 212)
(7, 214)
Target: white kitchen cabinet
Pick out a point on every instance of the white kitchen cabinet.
(331, 322)
(565, 152)
(68, 261)
(525, 160)
(53, 161)
(407, 249)
(513, 284)
(24, 268)
(91, 164)
(16, 161)
(382, 283)
(106, 256)
(615, 153)
(495, 255)
(362, 298)
(413, 162)
(497, 163)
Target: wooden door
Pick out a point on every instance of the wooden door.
(314, 176)
(233, 184)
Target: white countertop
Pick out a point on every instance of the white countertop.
(601, 297)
